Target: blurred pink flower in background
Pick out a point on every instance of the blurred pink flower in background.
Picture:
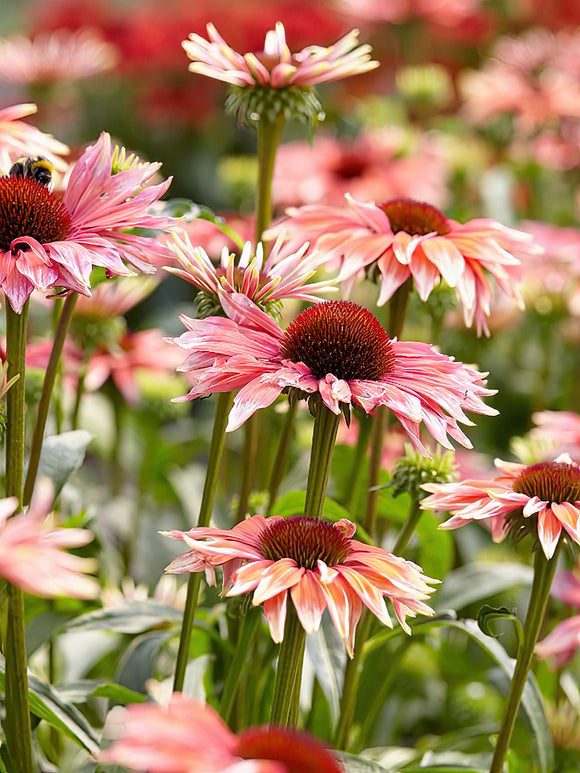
(276, 66)
(55, 57)
(402, 238)
(316, 562)
(543, 499)
(186, 736)
(48, 243)
(18, 138)
(447, 13)
(338, 350)
(563, 641)
(376, 165)
(32, 550)
(560, 429)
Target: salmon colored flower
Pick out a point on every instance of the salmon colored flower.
(188, 737)
(563, 641)
(18, 138)
(316, 562)
(542, 499)
(265, 283)
(403, 238)
(338, 350)
(276, 66)
(62, 55)
(47, 242)
(32, 550)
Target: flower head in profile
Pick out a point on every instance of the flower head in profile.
(338, 351)
(186, 736)
(49, 243)
(53, 57)
(18, 138)
(32, 550)
(316, 562)
(540, 499)
(276, 81)
(402, 238)
(266, 283)
(560, 645)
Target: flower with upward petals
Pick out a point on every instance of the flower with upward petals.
(266, 284)
(276, 81)
(187, 737)
(336, 350)
(540, 499)
(403, 238)
(316, 562)
(32, 555)
(18, 138)
(47, 242)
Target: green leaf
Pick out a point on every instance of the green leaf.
(61, 455)
(436, 547)
(136, 617)
(46, 703)
(85, 689)
(354, 764)
(488, 614)
(479, 581)
(138, 662)
(325, 649)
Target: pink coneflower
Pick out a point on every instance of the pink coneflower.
(403, 238)
(48, 243)
(337, 350)
(316, 562)
(561, 644)
(186, 736)
(266, 283)
(559, 429)
(276, 66)
(62, 55)
(32, 553)
(18, 138)
(542, 499)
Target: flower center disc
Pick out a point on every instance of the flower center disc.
(306, 540)
(28, 208)
(550, 482)
(341, 338)
(415, 217)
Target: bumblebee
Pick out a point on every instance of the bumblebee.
(38, 168)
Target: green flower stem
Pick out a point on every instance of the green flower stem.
(351, 681)
(544, 570)
(269, 137)
(47, 387)
(323, 437)
(17, 721)
(279, 465)
(355, 481)
(409, 527)
(249, 462)
(285, 703)
(224, 403)
(249, 626)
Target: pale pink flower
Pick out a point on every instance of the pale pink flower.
(338, 350)
(561, 644)
(53, 57)
(18, 138)
(276, 66)
(377, 164)
(316, 562)
(124, 360)
(403, 238)
(265, 282)
(32, 550)
(447, 13)
(542, 499)
(48, 243)
(558, 429)
(113, 299)
(186, 736)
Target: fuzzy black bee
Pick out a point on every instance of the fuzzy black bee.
(38, 168)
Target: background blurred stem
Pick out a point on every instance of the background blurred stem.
(279, 466)
(17, 725)
(224, 403)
